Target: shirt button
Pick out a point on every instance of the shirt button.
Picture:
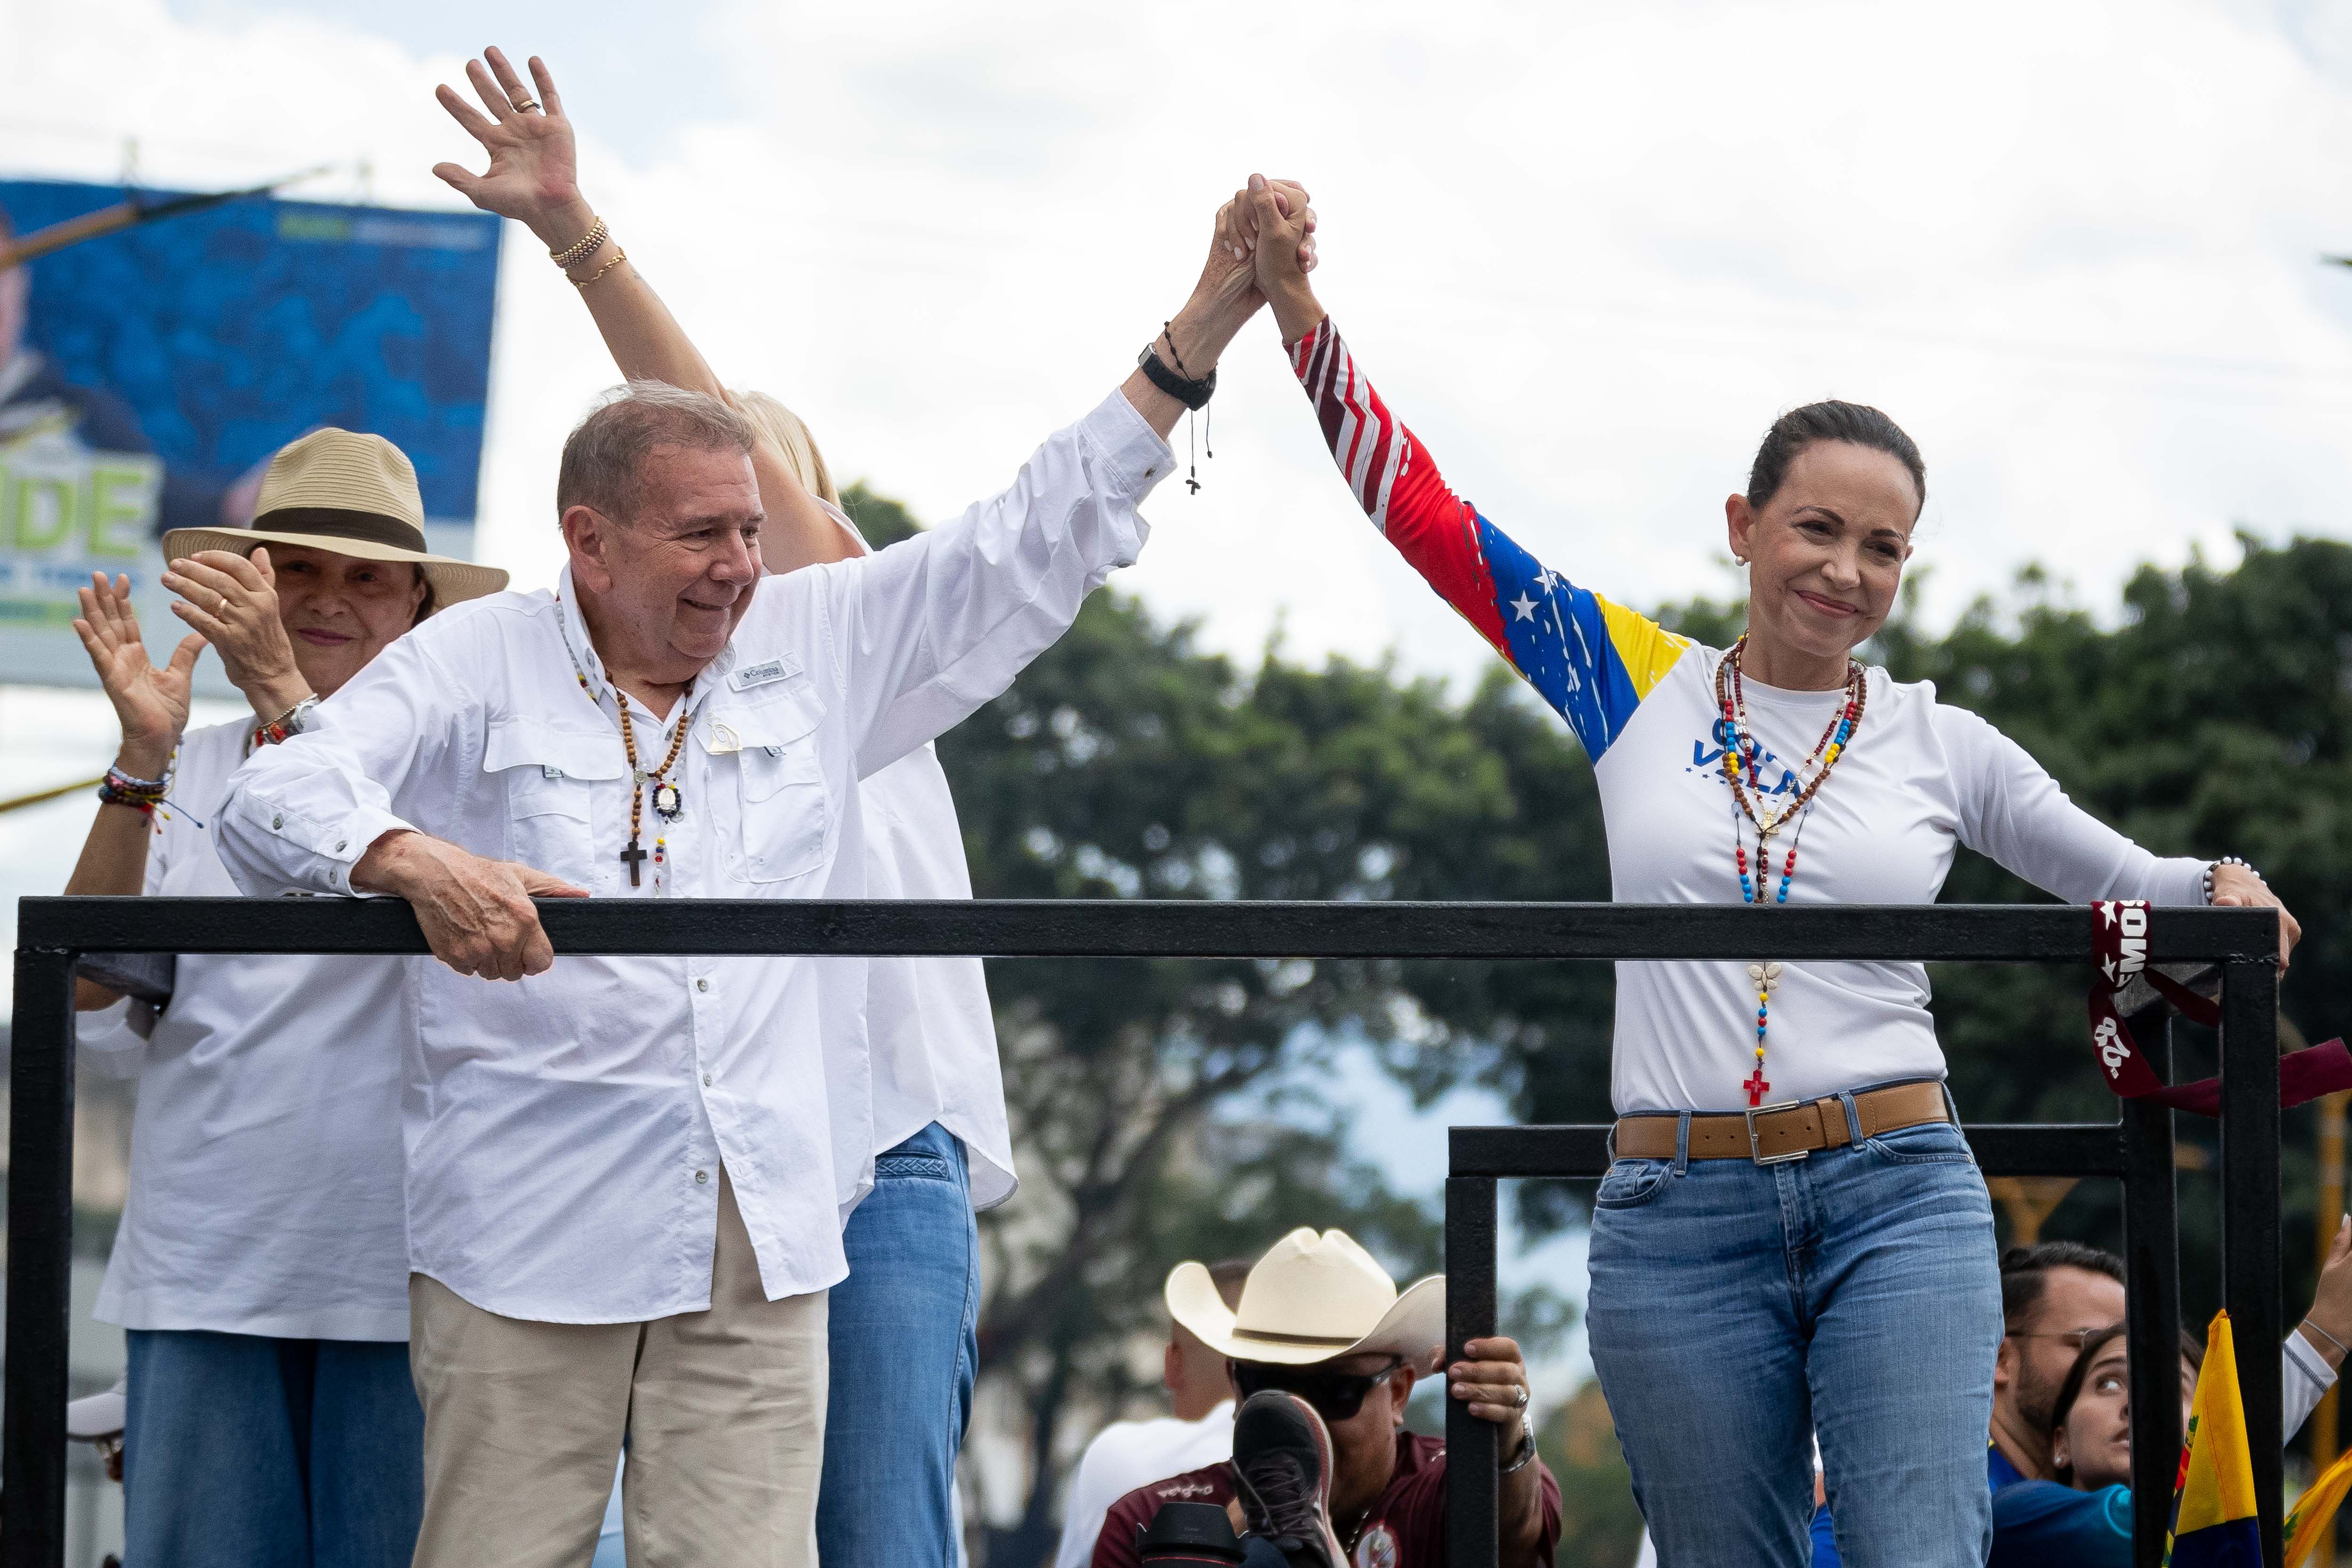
(702, 986)
(701, 1176)
(340, 843)
(706, 1081)
(277, 822)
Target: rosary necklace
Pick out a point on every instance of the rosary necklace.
(1741, 770)
(668, 804)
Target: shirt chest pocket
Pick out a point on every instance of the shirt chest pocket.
(551, 777)
(783, 808)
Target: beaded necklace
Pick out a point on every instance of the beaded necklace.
(1742, 771)
(669, 802)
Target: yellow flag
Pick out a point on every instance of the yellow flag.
(2213, 1520)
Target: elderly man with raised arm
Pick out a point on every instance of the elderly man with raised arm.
(622, 1201)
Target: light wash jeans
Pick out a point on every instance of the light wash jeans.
(1738, 1310)
(240, 1451)
(904, 1329)
(906, 1343)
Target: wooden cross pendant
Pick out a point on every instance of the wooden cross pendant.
(1757, 1088)
(633, 855)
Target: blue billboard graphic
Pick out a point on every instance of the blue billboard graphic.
(147, 374)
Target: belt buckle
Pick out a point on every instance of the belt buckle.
(1755, 1152)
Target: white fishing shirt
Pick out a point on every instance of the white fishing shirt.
(565, 1132)
(266, 1153)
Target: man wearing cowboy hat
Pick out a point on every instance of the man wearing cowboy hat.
(1324, 1353)
(261, 1265)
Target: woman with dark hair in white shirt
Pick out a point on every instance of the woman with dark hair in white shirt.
(1793, 1236)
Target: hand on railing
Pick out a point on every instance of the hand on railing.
(477, 914)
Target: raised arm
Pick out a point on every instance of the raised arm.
(151, 706)
(533, 178)
(1591, 660)
(930, 629)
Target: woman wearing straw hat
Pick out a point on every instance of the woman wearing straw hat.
(261, 1267)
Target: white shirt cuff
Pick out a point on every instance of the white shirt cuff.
(1138, 459)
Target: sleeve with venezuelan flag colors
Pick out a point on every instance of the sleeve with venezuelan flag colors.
(1592, 660)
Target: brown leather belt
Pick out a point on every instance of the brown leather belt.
(1775, 1132)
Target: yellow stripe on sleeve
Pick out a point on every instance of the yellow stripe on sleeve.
(1645, 649)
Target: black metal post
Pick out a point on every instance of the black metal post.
(2250, 1221)
(40, 1261)
(2152, 1299)
(1473, 1495)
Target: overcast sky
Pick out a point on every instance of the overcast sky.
(1587, 252)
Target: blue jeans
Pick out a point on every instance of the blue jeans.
(1736, 1310)
(904, 1335)
(245, 1452)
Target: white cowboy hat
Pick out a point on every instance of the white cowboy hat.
(355, 495)
(1310, 1299)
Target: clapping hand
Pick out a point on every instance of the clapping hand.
(151, 703)
(534, 170)
(232, 601)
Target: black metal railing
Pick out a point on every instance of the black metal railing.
(2137, 1149)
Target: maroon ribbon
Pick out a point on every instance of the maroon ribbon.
(2119, 946)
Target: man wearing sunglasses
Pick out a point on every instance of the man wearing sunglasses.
(1323, 1353)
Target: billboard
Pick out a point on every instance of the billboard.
(146, 375)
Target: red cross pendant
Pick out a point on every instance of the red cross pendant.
(1757, 1088)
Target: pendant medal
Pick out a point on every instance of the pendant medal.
(667, 802)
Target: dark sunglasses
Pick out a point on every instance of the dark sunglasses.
(1336, 1395)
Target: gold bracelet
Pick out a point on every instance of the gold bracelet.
(619, 255)
(569, 257)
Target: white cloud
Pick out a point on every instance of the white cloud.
(1587, 252)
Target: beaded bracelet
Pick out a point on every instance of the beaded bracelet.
(142, 796)
(285, 726)
(579, 252)
(2214, 866)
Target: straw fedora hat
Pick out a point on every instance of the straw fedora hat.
(355, 495)
(1311, 1298)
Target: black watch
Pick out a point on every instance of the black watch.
(1191, 394)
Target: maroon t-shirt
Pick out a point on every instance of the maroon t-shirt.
(1406, 1528)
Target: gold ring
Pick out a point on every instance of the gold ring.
(525, 105)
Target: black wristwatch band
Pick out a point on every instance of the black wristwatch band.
(1191, 394)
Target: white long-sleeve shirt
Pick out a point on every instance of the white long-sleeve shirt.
(564, 1133)
(1918, 780)
(265, 1158)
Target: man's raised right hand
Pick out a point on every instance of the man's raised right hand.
(477, 914)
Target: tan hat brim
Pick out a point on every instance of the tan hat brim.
(1413, 1327)
(453, 581)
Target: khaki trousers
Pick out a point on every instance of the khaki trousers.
(724, 1411)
